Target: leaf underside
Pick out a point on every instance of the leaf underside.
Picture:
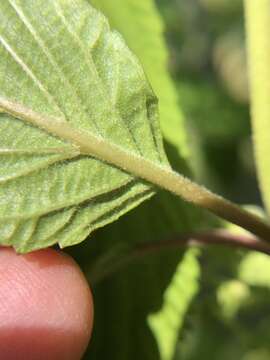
(60, 59)
(134, 19)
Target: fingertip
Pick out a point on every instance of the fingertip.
(46, 308)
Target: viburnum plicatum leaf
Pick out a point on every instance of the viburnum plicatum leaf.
(66, 79)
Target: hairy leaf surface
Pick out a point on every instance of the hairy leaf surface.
(143, 29)
(60, 60)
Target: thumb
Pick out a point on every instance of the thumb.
(46, 309)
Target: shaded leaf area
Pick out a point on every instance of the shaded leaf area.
(124, 300)
(62, 61)
(221, 146)
(229, 318)
(202, 98)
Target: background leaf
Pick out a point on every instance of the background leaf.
(257, 35)
(60, 59)
(167, 323)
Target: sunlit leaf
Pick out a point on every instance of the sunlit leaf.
(143, 28)
(61, 66)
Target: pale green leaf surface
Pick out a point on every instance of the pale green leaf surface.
(257, 38)
(61, 60)
(142, 27)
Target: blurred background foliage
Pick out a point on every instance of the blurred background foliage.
(209, 303)
(229, 317)
(207, 60)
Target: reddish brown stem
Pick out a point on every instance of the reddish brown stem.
(110, 264)
(217, 237)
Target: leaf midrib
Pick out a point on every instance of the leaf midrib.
(84, 142)
(154, 173)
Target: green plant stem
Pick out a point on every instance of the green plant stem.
(154, 173)
(258, 39)
(116, 260)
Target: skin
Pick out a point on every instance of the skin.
(46, 308)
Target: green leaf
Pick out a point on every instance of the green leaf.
(167, 323)
(258, 32)
(65, 77)
(142, 27)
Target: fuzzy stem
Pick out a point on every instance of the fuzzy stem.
(154, 173)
